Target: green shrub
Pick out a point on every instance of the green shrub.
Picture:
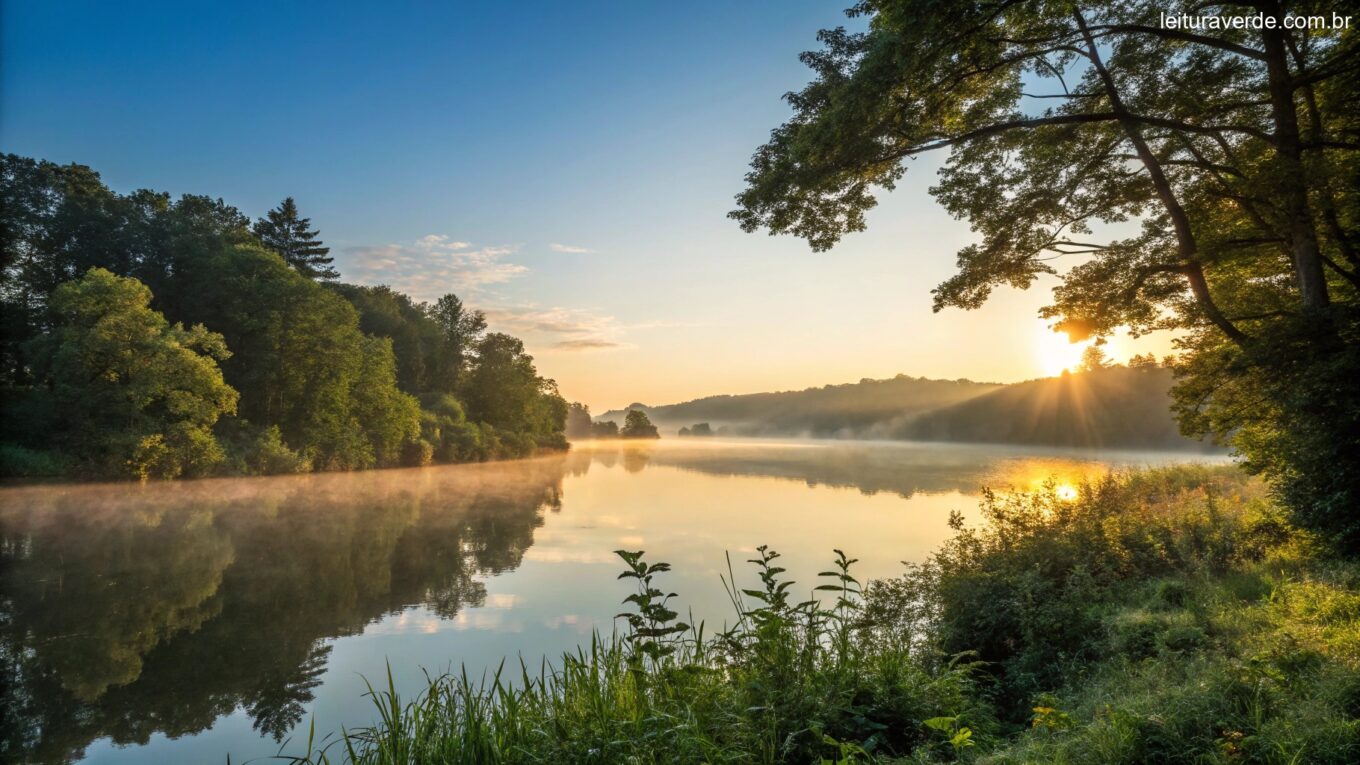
(19, 462)
(417, 453)
(1181, 637)
(269, 455)
(1170, 594)
(1135, 634)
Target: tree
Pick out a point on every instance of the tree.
(301, 362)
(126, 391)
(313, 363)
(390, 418)
(503, 390)
(59, 221)
(578, 421)
(1234, 150)
(1094, 359)
(636, 424)
(417, 339)
(291, 236)
(1143, 361)
(606, 429)
(461, 330)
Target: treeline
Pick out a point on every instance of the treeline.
(831, 411)
(1102, 406)
(1109, 407)
(581, 425)
(147, 336)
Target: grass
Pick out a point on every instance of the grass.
(1160, 616)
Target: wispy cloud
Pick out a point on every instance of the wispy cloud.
(436, 264)
(563, 329)
(556, 247)
(431, 266)
(585, 345)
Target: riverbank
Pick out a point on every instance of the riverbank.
(1164, 615)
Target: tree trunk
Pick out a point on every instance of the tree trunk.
(1298, 217)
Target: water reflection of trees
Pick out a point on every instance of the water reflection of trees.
(134, 610)
(870, 467)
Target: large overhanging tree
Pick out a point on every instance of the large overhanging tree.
(1228, 159)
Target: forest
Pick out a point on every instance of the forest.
(1100, 405)
(831, 410)
(151, 337)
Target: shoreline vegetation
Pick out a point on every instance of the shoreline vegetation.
(1164, 615)
(146, 337)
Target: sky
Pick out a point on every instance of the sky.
(565, 167)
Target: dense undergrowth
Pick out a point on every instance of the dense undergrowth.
(1159, 616)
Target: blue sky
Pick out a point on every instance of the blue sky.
(565, 166)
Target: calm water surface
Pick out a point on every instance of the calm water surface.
(187, 621)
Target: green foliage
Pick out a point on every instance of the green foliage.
(1288, 406)
(579, 423)
(652, 628)
(284, 231)
(637, 425)
(433, 344)
(864, 409)
(390, 418)
(267, 454)
(504, 392)
(17, 461)
(663, 693)
(1232, 148)
(1113, 407)
(1165, 616)
(301, 362)
(127, 393)
(1025, 590)
(326, 374)
(460, 332)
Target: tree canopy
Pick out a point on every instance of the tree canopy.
(124, 389)
(1196, 181)
(329, 375)
(636, 424)
(286, 232)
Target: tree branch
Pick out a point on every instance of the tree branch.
(1176, 34)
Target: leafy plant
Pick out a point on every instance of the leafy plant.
(958, 736)
(652, 629)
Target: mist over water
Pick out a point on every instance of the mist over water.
(185, 621)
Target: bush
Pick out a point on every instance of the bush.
(269, 455)
(19, 462)
(417, 453)
(1029, 590)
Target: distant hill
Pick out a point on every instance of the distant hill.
(866, 409)
(1116, 408)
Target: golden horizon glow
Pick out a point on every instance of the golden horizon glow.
(1057, 353)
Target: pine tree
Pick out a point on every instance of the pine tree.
(287, 234)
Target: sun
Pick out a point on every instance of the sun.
(1056, 352)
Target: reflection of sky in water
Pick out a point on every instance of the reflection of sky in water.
(214, 610)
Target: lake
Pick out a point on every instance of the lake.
(185, 622)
